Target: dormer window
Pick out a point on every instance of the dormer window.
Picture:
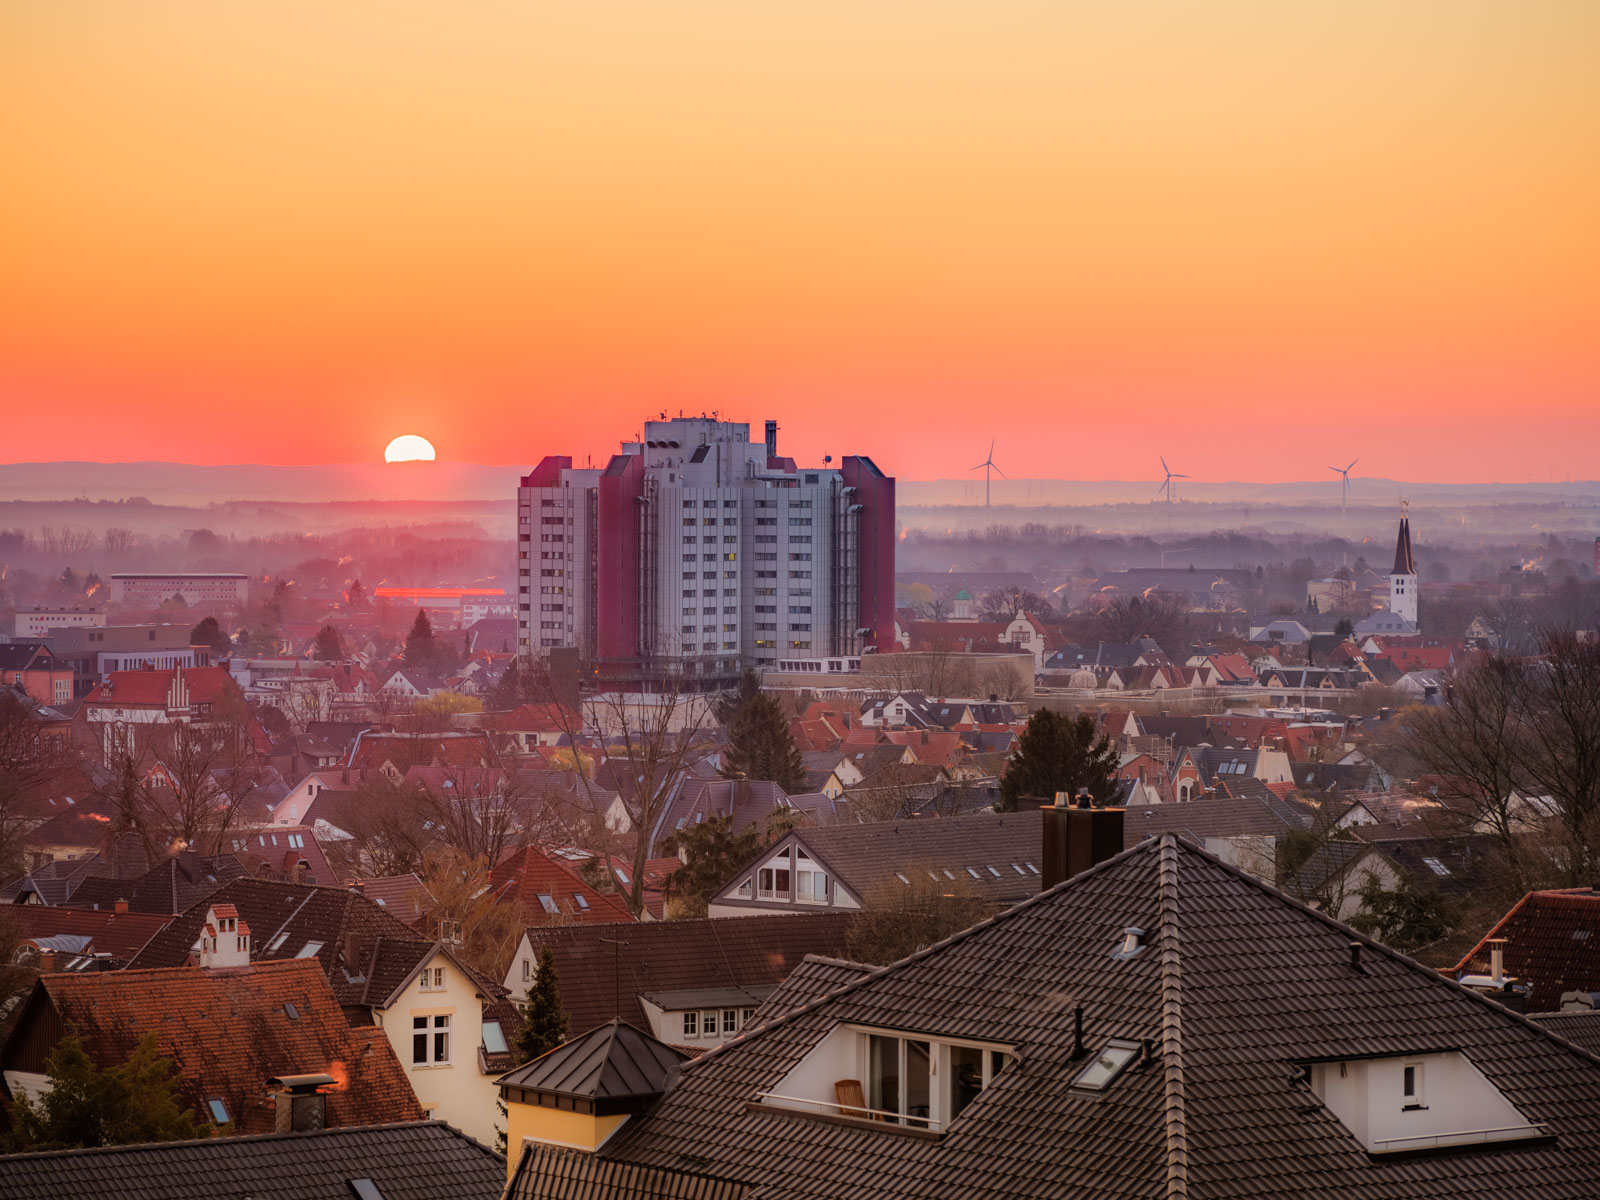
(890, 1077)
(1387, 1105)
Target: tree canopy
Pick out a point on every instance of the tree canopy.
(544, 1020)
(760, 745)
(1058, 752)
(712, 852)
(330, 646)
(137, 1101)
(209, 633)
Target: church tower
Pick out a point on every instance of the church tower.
(1403, 577)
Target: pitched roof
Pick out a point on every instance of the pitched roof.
(601, 980)
(419, 1160)
(174, 884)
(613, 1061)
(1581, 1027)
(1405, 563)
(127, 689)
(983, 850)
(228, 1032)
(288, 920)
(1552, 944)
(540, 883)
(121, 935)
(1238, 988)
(555, 1173)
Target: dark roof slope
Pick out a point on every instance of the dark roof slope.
(421, 1160)
(598, 976)
(555, 1173)
(1238, 986)
(1580, 1027)
(611, 1062)
(285, 920)
(993, 845)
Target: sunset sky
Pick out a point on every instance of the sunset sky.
(1257, 237)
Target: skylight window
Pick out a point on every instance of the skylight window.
(290, 1011)
(309, 950)
(902, 878)
(973, 871)
(1107, 1065)
(218, 1110)
(494, 1039)
(277, 942)
(581, 901)
(548, 903)
(993, 872)
(1437, 867)
(364, 1189)
(1031, 867)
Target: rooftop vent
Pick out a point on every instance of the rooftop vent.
(1132, 943)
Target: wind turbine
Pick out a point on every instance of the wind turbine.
(1166, 484)
(1344, 487)
(1344, 496)
(986, 466)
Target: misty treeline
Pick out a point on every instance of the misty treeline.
(1034, 546)
(47, 560)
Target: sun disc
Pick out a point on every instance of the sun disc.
(408, 447)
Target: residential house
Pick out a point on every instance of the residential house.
(1547, 947)
(551, 892)
(842, 867)
(1161, 1025)
(32, 669)
(123, 709)
(690, 983)
(231, 1028)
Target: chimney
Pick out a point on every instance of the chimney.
(1078, 836)
(300, 1104)
(1497, 960)
(225, 939)
(120, 907)
(47, 960)
(352, 952)
(772, 439)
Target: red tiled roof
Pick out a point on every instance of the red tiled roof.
(229, 1031)
(1551, 943)
(121, 935)
(531, 874)
(128, 689)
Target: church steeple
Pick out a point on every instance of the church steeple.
(1404, 563)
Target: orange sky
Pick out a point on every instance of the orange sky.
(1259, 237)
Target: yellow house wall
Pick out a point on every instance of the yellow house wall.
(541, 1124)
(458, 1092)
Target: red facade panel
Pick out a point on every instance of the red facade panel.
(875, 493)
(617, 559)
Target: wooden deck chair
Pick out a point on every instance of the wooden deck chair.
(852, 1100)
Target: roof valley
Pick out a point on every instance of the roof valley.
(1174, 1111)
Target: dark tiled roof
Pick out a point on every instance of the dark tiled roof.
(814, 978)
(422, 1160)
(749, 952)
(612, 1062)
(228, 1032)
(1580, 1028)
(554, 1173)
(1220, 815)
(284, 918)
(121, 935)
(988, 843)
(1552, 943)
(170, 887)
(1238, 987)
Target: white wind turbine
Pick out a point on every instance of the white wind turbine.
(986, 466)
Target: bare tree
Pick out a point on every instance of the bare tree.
(898, 919)
(1560, 743)
(650, 737)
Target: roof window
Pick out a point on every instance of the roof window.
(277, 942)
(290, 1011)
(494, 1038)
(218, 1109)
(581, 901)
(548, 903)
(363, 1189)
(1103, 1070)
(1437, 867)
(898, 875)
(309, 950)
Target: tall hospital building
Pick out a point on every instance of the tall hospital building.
(697, 552)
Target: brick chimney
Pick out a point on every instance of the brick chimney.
(1077, 836)
(225, 940)
(120, 907)
(300, 1105)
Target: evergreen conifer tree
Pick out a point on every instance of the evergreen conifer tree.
(544, 1021)
(760, 744)
(330, 646)
(1058, 752)
(421, 649)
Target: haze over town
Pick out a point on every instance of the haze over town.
(653, 601)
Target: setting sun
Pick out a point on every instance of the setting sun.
(408, 447)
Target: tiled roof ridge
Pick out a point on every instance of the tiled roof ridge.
(826, 960)
(1174, 1107)
(235, 1139)
(1493, 930)
(960, 935)
(128, 975)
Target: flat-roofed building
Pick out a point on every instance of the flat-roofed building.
(36, 620)
(200, 589)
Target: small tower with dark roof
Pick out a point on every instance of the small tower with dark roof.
(1403, 576)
